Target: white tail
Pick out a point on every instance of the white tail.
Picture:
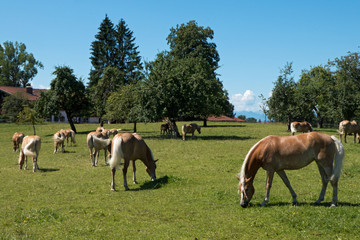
(30, 149)
(340, 153)
(117, 153)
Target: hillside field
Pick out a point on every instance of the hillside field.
(194, 197)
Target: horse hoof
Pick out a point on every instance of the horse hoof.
(333, 205)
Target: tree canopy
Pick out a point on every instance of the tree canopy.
(17, 66)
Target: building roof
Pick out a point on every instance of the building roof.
(224, 118)
(29, 92)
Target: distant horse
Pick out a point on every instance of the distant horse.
(276, 154)
(69, 133)
(98, 141)
(300, 127)
(59, 140)
(30, 148)
(130, 147)
(346, 127)
(164, 128)
(190, 128)
(17, 140)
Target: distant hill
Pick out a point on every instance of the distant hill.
(256, 115)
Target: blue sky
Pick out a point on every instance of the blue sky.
(255, 39)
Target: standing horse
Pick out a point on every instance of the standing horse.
(30, 148)
(190, 128)
(98, 141)
(300, 127)
(346, 127)
(59, 139)
(17, 140)
(164, 128)
(276, 154)
(130, 147)
(69, 133)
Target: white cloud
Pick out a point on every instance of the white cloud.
(247, 101)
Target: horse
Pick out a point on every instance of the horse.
(276, 154)
(300, 127)
(98, 141)
(59, 139)
(69, 133)
(130, 147)
(114, 131)
(346, 127)
(17, 140)
(164, 128)
(190, 128)
(30, 148)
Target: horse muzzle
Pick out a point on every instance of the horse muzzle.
(244, 204)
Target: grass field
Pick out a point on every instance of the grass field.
(194, 197)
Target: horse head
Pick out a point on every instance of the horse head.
(246, 190)
(150, 164)
(199, 130)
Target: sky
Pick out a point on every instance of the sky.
(255, 39)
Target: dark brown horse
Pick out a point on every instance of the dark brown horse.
(276, 154)
(130, 147)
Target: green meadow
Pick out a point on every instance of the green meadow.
(194, 197)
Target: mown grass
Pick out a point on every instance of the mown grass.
(195, 195)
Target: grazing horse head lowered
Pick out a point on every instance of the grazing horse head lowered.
(276, 154)
(130, 147)
(30, 148)
(17, 140)
(190, 128)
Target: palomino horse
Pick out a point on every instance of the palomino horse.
(69, 133)
(17, 140)
(300, 127)
(98, 141)
(59, 139)
(30, 148)
(130, 147)
(276, 154)
(346, 127)
(190, 128)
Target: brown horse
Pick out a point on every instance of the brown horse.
(69, 133)
(59, 140)
(30, 148)
(276, 154)
(130, 147)
(346, 127)
(164, 128)
(300, 127)
(17, 140)
(190, 128)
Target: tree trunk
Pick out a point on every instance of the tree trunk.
(175, 129)
(289, 122)
(72, 125)
(33, 123)
(205, 122)
(135, 127)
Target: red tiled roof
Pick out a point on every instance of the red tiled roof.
(224, 118)
(12, 90)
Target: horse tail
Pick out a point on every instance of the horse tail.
(30, 148)
(72, 134)
(339, 156)
(311, 128)
(116, 152)
(292, 128)
(183, 129)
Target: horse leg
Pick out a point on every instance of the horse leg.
(324, 180)
(21, 159)
(96, 154)
(355, 137)
(105, 152)
(269, 178)
(126, 165)
(113, 170)
(134, 170)
(34, 164)
(25, 163)
(283, 176)
(345, 137)
(334, 184)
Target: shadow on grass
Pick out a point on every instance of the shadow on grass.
(323, 204)
(199, 137)
(49, 169)
(158, 183)
(215, 126)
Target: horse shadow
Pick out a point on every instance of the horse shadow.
(148, 185)
(323, 204)
(48, 169)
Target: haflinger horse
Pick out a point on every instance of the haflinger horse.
(98, 141)
(30, 148)
(300, 127)
(276, 154)
(17, 140)
(59, 140)
(69, 133)
(190, 128)
(130, 147)
(346, 127)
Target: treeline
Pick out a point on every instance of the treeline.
(323, 95)
(181, 83)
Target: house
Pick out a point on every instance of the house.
(33, 94)
(224, 118)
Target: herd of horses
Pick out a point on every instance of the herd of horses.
(274, 154)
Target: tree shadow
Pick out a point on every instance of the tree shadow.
(215, 126)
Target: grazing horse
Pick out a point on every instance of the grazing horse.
(59, 139)
(130, 147)
(346, 127)
(190, 128)
(300, 127)
(114, 131)
(17, 140)
(30, 148)
(69, 133)
(276, 154)
(98, 141)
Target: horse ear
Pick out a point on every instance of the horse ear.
(156, 160)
